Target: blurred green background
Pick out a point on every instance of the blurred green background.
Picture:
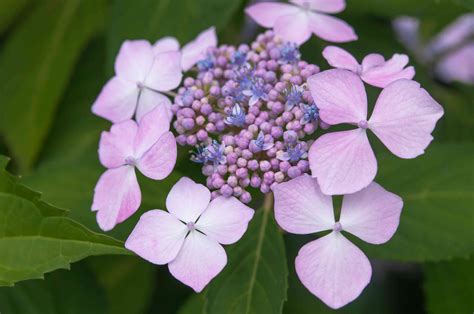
(55, 55)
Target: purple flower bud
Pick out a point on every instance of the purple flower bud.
(245, 197)
(294, 172)
(279, 177)
(226, 190)
(241, 162)
(232, 181)
(265, 165)
(255, 181)
(253, 165)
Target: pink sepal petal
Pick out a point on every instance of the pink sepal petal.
(340, 58)
(157, 237)
(267, 13)
(199, 261)
(326, 6)
(293, 27)
(388, 72)
(165, 73)
(117, 144)
(196, 50)
(372, 60)
(452, 35)
(343, 162)
(301, 207)
(117, 100)
(158, 162)
(404, 117)
(372, 214)
(340, 96)
(333, 269)
(149, 100)
(187, 200)
(166, 44)
(134, 60)
(117, 196)
(225, 220)
(331, 28)
(151, 127)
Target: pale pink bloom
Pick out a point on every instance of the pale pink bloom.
(148, 146)
(189, 235)
(455, 34)
(331, 267)
(139, 78)
(296, 22)
(374, 70)
(193, 51)
(403, 118)
(457, 65)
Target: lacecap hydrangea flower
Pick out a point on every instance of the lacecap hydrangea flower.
(254, 117)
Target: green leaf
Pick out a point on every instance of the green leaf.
(195, 304)
(449, 286)
(9, 10)
(127, 276)
(36, 238)
(153, 19)
(37, 61)
(255, 278)
(61, 292)
(69, 167)
(437, 216)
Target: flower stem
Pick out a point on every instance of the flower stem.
(171, 94)
(268, 202)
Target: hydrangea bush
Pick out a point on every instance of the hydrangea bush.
(259, 119)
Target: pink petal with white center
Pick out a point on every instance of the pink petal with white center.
(331, 28)
(199, 261)
(326, 6)
(389, 72)
(134, 60)
(117, 144)
(301, 207)
(117, 100)
(225, 220)
(372, 60)
(166, 44)
(267, 13)
(343, 162)
(340, 96)
(149, 100)
(333, 269)
(340, 58)
(157, 237)
(196, 50)
(117, 196)
(372, 214)
(165, 74)
(151, 127)
(158, 162)
(457, 65)
(187, 200)
(293, 27)
(404, 117)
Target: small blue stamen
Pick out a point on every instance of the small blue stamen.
(289, 53)
(310, 113)
(236, 116)
(239, 58)
(294, 95)
(206, 64)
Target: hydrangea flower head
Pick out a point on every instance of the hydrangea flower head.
(238, 116)
(297, 21)
(403, 118)
(189, 236)
(374, 70)
(139, 78)
(331, 267)
(148, 146)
